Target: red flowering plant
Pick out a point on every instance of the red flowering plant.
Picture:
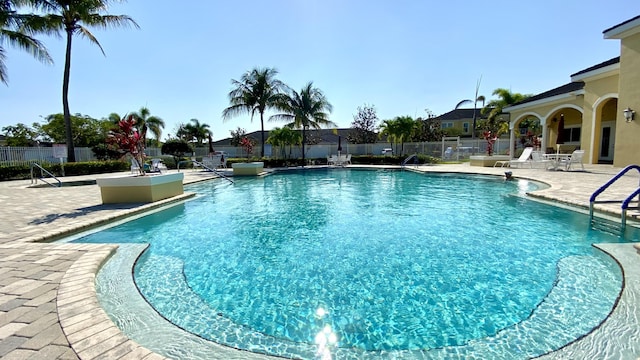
(247, 144)
(126, 138)
(491, 138)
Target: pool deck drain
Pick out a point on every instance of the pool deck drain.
(48, 306)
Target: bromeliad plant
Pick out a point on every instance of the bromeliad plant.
(126, 138)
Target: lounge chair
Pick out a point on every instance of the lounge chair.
(347, 160)
(573, 160)
(332, 160)
(523, 159)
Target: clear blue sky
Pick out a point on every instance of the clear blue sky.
(400, 56)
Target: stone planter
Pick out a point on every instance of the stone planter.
(248, 169)
(140, 189)
(486, 160)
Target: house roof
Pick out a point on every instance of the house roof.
(625, 28)
(460, 114)
(560, 90)
(326, 136)
(603, 64)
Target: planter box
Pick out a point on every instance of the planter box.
(486, 160)
(248, 169)
(140, 189)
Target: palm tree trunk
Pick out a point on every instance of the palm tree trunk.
(304, 140)
(71, 154)
(262, 134)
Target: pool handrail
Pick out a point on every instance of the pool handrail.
(202, 165)
(34, 179)
(624, 203)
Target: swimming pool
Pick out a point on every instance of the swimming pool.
(370, 262)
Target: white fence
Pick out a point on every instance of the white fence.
(460, 150)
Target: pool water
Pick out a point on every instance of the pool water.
(363, 263)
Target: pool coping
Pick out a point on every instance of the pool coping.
(85, 323)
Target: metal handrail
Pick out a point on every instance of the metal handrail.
(34, 179)
(624, 203)
(205, 167)
(405, 161)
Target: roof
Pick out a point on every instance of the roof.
(628, 26)
(326, 136)
(603, 64)
(560, 90)
(460, 114)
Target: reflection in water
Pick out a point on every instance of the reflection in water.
(326, 339)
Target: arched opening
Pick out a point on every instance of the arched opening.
(605, 131)
(528, 132)
(564, 130)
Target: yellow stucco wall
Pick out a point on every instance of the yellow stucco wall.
(627, 146)
(594, 91)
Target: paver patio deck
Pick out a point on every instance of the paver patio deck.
(48, 307)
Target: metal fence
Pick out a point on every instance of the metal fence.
(456, 149)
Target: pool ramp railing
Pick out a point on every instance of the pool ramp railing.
(43, 171)
(208, 168)
(625, 204)
(412, 156)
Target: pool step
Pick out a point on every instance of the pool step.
(607, 226)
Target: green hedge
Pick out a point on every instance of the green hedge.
(70, 169)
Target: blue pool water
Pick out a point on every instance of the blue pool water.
(361, 263)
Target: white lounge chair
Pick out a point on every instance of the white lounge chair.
(332, 160)
(347, 160)
(573, 160)
(523, 159)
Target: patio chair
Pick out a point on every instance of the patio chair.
(332, 160)
(573, 160)
(347, 160)
(155, 165)
(538, 160)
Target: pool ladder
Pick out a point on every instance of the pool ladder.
(624, 203)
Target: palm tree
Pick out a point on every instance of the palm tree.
(145, 123)
(307, 109)
(15, 29)
(256, 91)
(406, 127)
(475, 106)
(281, 137)
(197, 131)
(389, 128)
(495, 125)
(71, 16)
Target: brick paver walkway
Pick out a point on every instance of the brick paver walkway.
(48, 307)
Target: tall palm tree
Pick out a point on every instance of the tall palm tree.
(255, 92)
(16, 29)
(145, 123)
(71, 16)
(406, 128)
(307, 109)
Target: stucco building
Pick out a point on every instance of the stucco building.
(589, 112)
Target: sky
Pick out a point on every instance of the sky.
(401, 56)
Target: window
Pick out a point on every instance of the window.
(571, 134)
(465, 126)
(447, 125)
